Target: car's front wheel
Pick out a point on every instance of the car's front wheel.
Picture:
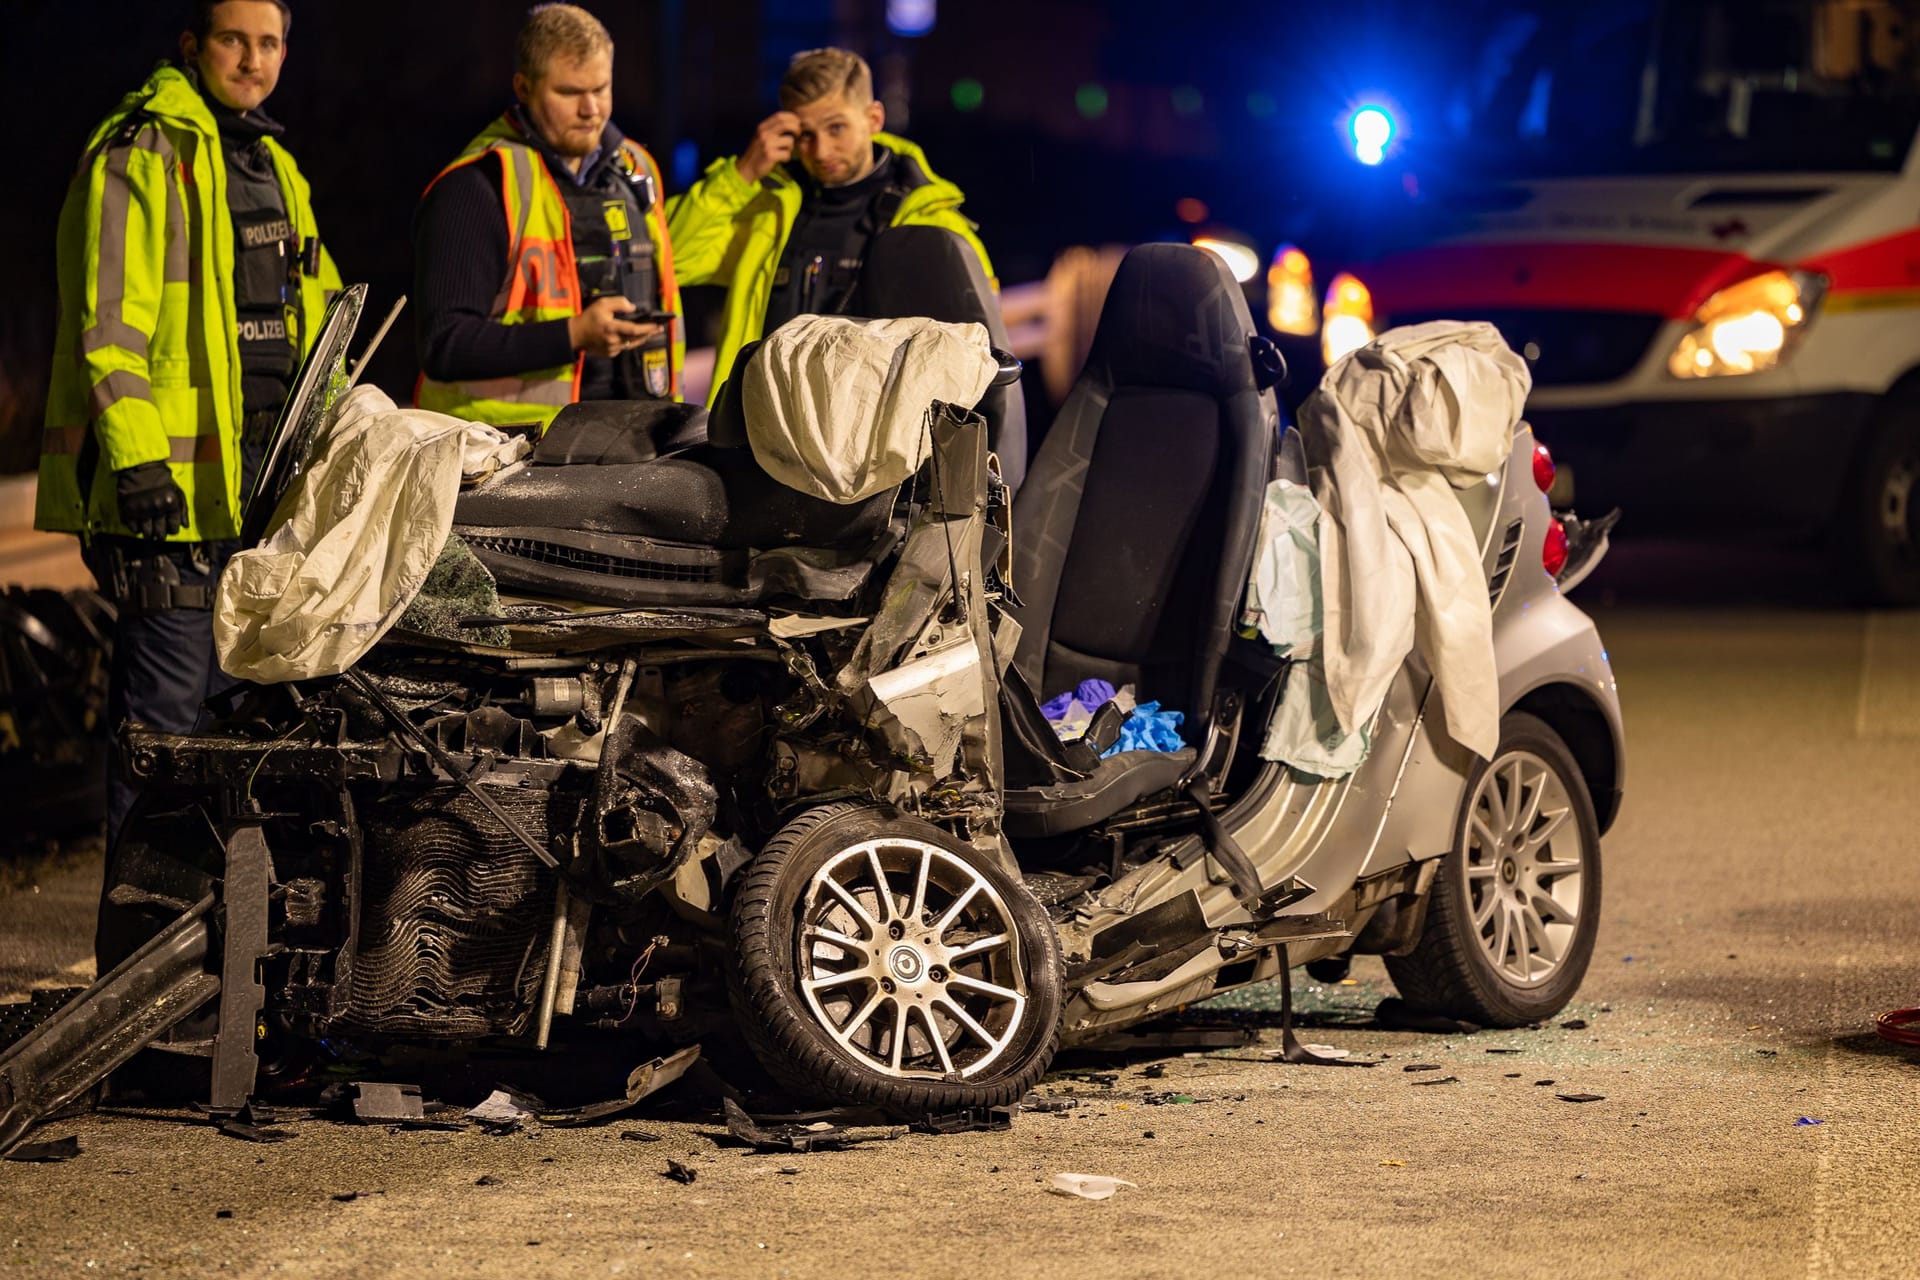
(878, 960)
(1879, 543)
(1511, 921)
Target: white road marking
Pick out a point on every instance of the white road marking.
(1858, 1216)
(1890, 677)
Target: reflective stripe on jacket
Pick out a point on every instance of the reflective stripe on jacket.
(542, 282)
(146, 357)
(730, 232)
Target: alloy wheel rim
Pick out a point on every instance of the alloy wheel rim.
(1525, 862)
(909, 959)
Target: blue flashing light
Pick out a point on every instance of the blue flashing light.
(1371, 129)
(911, 17)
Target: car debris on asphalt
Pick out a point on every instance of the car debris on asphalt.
(970, 1120)
(1041, 1104)
(380, 1103)
(502, 1106)
(235, 1127)
(1087, 1186)
(645, 1080)
(57, 1151)
(820, 1135)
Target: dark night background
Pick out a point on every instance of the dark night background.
(1065, 121)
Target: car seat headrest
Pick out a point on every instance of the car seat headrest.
(924, 271)
(1175, 317)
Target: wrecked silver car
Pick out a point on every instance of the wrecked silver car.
(723, 754)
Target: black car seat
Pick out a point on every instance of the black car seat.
(597, 516)
(606, 432)
(1134, 533)
(931, 272)
(659, 503)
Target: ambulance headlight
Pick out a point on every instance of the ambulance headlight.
(1291, 306)
(1347, 317)
(1749, 326)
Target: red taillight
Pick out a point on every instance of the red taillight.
(1553, 552)
(1543, 470)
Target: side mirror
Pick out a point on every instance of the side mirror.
(1269, 366)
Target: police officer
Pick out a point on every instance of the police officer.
(542, 269)
(191, 279)
(788, 240)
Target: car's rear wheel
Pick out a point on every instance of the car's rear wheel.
(880, 961)
(1511, 921)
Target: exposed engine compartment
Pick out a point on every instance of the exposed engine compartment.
(412, 907)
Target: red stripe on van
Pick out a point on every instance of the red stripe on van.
(1574, 277)
(1891, 262)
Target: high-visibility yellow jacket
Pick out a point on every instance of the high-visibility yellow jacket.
(732, 232)
(146, 358)
(542, 281)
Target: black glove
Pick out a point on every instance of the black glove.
(151, 504)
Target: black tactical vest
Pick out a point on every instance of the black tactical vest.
(614, 257)
(263, 257)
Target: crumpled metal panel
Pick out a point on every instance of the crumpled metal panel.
(639, 847)
(909, 678)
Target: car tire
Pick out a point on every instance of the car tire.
(1513, 910)
(827, 971)
(1878, 548)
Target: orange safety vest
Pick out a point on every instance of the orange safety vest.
(543, 282)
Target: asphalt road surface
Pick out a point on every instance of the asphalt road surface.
(1762, 893)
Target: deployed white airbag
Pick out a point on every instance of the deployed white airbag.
(837, 407)
(1392, 431)
(355, 537)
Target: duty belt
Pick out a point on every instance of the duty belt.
(156, 595)
(151, 584)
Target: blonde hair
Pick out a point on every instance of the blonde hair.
(822, 73)
(564, 30)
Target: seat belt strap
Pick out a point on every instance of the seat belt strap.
(1224, 848)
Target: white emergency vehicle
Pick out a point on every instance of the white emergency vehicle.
(1700, 224)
